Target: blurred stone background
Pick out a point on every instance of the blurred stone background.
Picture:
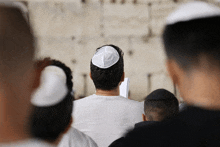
(71, 30)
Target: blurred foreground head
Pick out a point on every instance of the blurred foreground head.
(18, 76)
(192, 43)
(160, 105)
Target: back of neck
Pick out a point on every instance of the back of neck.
(204, 91)
(114, 92)
(11, 129)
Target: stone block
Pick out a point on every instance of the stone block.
(148, 56)
(125, 20)
(63, 49)
(126, 11)
(65, 19)
(157, 25)
(161, 80)
(162, 9)
(138, 86)
(159, 13)
(153, 1)
(91, 21)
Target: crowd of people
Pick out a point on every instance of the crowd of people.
(38, 109)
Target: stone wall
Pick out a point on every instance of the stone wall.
(71, 30)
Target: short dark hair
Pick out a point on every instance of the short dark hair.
(48, 123)
(108, 79)
(160, 105)
(187, 41)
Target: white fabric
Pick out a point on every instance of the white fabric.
(75, 138)
(28, 143)
(124, 87)
(52, 89)
(106, 118)
(193, 10)
(105, 57)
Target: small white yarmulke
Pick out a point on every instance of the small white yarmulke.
(105, 57)
(193, 10)
(52, 89)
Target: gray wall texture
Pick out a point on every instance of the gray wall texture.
(71, 30)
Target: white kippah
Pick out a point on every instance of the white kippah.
(193, 10)
(52, 89)
(105, 57)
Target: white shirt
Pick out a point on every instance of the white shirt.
(75, 138)
(106, 118)
(28, 143)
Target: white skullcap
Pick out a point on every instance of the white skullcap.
(105, 57)
(193, 10)
(52, 89)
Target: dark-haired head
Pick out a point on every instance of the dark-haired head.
(48, 123)
(191, 43)
(108, 79)
(193, 59)
(160, 105)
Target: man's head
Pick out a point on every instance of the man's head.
(192, 44)
(52, 102)
(17, 72)
(160, 105)
(107, 67)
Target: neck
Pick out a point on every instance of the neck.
(12, 127)
(203, 90)
(12, 132)
(114, 92)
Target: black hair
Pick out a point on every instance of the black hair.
(47, 123)
(187, 41)
(160, 105)
(108, 79)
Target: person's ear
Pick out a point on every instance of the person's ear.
(122, 77)
(144, 117)
(90, 75)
